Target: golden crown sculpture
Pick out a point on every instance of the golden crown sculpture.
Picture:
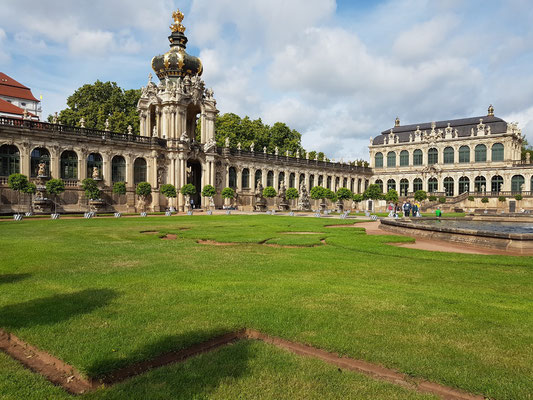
(178, 18)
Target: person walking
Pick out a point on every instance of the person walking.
(406, 209)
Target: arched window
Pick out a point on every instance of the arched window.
(329, 182)
(245, 178)
(391, 159)
(433, 156)
(378, 160)
(281, 179)
(517, 183)
(292, 179)
(448, 155)
(417, 184)
(258, 178)
(480, 184)
(464, 184)
(301, 180)
(352, 184)
(321, 180)
(311, 181)
(345, 183)
(481, 153)
(270, 178)
(404, 158)
(118, 169)
(9, 160)
(391, 184)
(40, 155)
(139, 171)
(496, 184)
(404, 187)
(359, 182)
(94, 161)
(464, 154)
(379, 182)
(232, 177)
(448, 186)
(497, 152)
(433, 185)
(69, 165)
(337, 180)
(418, 157)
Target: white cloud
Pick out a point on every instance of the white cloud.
(4, 55)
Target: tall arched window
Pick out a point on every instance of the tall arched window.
(301, 180)
(352, 184)
(69, 165)
(245, 178)
(433, 156)
(232, 177)
(481, 153)
(404, 187)
(517, 183)
(497, 152)
(378, 160)
(404, 158)
(270, 178)
(40, 155)
(391, 184)
(139, 170)
(311, 181)
(94, 160)
(480, 184)
(118, 169)
(417, 184)
(391, 159)
(379, 182)
(9, 160)
(329, 182)
(418, 157)
(359, 182)
(281, 179)
(433, 185)
(448, 186)
(292, 179)
(258, 178)
(464, 154)
(321, 180)
(496, 184)
(464, 184)
(345, 183)
(448, 155)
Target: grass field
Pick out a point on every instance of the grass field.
(99, 294)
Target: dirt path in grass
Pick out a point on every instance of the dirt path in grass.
(66, 376)
(372, 228)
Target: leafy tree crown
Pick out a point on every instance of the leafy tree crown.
(168, 190)
(55, 186)
(357, 197)
(392, 196)
(17, 182)
(208, 191)
(421, 195)
(90, 188)
(143, 189)
(188, 190)
(228, 193)
(344, 194)
(318, 193)
(269, 192)
(119, 188)
(292, 193)
(373, 192)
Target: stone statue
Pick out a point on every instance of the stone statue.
(209, 94)
(287, 153)
(54, 118)
(129, 129)
(252, 147)
(258, 189)
(226, 142)
(149, 78)
(316, 156)
(42, 169)
(283, 203)
(297, 153)
(96, 173)
(303, 202)
(25, 114)
(82, 122)
(260, 202)
(276, 150)
(107, 124)
(154, 131)
(264, 150)
(239, 146)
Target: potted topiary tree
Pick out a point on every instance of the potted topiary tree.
(18, 183)
(343, 194)
(30, 190)
(143, 190)
(331, 196)
(55, 187)
(169, 191)
(319, 193)
(357, 198)
(187, 191)
(228, 194)
(502, 199)
(209, 191)
(291, 194)
(373, 192)
(92, 192)
(269, 192)
(119, 188)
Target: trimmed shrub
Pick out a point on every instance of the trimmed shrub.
(330, 195)
(119, 188)
(392, 196)
(90, 187)
(344, 194)
(373, 192)
(208, 191)
(432, 198)
(485, 200)
(269, 192)
(228, 193)
(421, 195)
(188, 190)
(442, 199)
(502, 198)
(292, 193)
(317, 192)
(470, 198)
(55, 187)
(143, 189)
(168, 190)
(357, 198)
(518, 197)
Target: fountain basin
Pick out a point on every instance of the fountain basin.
(504, 234)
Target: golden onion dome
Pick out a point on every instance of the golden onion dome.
(176, 62)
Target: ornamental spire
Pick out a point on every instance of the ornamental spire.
(178, 18)
(491, 111)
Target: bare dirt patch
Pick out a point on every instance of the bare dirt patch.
(149, 232)
(169, 236)
(214, 243)
(301, 233)
(66, 376)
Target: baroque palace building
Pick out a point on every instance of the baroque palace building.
(166, 151)
(471, 156)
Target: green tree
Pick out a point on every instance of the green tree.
(90, 187)
(269, 192)
(30, 190)
(18, 183)
(143, 190)
(228, 193)
(318, 193)
(357, 198)
(421, 195)
(55, 187)
(372, 192)
(392, 196)
(344, 194)
(100, 101)
(168, 190)
(119, 188)
(208, 191)
(331, 195)
(188, 190)
(292, 193)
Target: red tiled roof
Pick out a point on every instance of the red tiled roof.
(12, 88)
(8, 108)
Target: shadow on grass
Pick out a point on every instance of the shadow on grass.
(194, 378)
(12, 278)
(54, 309)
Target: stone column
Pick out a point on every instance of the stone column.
(148, 124)
(276, 179)
(129, 170)
(152, 176)
(239, 179)
(106, 168)
(158, 121)
(227, 176)
(55, 155)
(142, 120)
(82, 164)
(165, 122)
(264, 173)
(25, 159)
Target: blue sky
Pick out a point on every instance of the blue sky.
(339, 72)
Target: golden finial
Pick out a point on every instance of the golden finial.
(397, 121)
(178, 18)
(491, 111)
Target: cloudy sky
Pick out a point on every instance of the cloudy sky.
(339, 72)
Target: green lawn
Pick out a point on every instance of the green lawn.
(99, 295)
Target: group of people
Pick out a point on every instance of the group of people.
(407, 208)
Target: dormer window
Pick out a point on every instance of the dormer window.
(22, 104)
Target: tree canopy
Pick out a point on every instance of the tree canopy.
(100, 101)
